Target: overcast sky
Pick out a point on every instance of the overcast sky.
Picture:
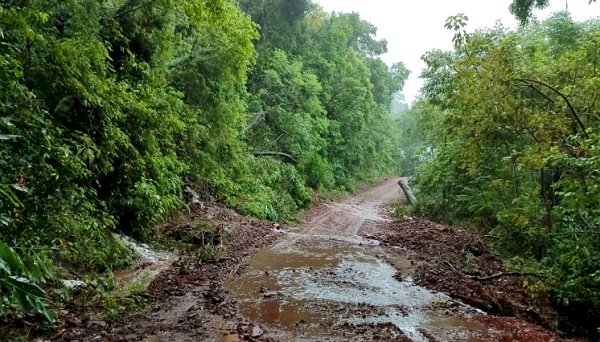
(417, 26)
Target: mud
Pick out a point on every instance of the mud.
(149, 265)
(323, 278)
(185, 302)
(454, 261)
(349, 273)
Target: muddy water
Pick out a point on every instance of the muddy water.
(324, 277)
(148, 266)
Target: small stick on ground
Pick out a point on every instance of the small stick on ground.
(451, 266)
(505, 274)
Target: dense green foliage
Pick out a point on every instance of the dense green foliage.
(320, 93)
(108, 108)
(512, 145)
(19, 279)
(522, 9)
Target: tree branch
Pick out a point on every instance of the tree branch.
(505, 274)
(531, 86)
(260, 116)
(276, 154)
(122, 13)
(573, 112)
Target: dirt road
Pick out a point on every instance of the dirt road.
(349, 273)
(325, 281)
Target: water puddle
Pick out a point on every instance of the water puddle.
(324, 278)
(308, 291)
(148, 266)
(401, 263)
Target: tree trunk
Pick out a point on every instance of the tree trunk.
(407, 192)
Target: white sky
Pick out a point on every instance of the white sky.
(417, 26)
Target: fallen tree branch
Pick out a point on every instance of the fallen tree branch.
(472, 301)
(277, 154)
(505, 274)
(451, 266)
(407, 192)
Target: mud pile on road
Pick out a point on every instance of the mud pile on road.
(337, 285)
(187, 302)
(455, 261)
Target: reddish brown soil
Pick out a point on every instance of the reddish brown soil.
(454, 261)
(185, 303)
(189, 302)
(375, 332)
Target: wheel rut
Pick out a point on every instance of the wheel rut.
(324, 281)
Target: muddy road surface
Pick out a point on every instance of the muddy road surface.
(326, 281)
(348, 273)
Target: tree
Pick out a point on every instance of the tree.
(522, 9)
(513, 148)
(109, 108)
(321, 94)
(98, 127)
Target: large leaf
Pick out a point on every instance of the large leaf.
(16, 280)
(11, 259)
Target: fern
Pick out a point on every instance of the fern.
(19, 278)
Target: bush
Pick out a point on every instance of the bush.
(276, 191)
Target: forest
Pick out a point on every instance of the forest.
(505, 139)
(111, 109)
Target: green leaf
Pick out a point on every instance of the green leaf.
(12, 259)
(9, 136)
(26, 286)
(7, 120)
(4, 266)
(20, 187)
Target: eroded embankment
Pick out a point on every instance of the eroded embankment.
(185, 302)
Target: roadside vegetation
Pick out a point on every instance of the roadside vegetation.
(505, 138)
(110, 110)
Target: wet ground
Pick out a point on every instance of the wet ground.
(352, 273)
(349, 273)
(456, 262)
(323, 280)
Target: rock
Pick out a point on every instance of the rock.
(192, 197)
(241, 327)
(100, 324)
(72, 283)
(227, 229)
(256, 331)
